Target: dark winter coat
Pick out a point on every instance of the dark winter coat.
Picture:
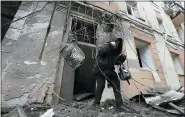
(108, 57)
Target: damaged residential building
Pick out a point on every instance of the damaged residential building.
(33, 69)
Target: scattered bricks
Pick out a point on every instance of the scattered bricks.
(18, 112)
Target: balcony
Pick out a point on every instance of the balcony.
(178, 19)
(175, 11)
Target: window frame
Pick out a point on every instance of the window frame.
(175, 64)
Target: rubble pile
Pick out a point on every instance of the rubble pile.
(83, 109)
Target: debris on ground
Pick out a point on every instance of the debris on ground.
(167, 98)
(48, 113)
(82, 109)
(164, 98)
(79, 97)
(17, 112)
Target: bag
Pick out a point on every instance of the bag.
(73, 54)
(124, 74)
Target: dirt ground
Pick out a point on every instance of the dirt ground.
(83, 109)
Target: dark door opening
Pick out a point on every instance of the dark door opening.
(84, 81)
(86, 33)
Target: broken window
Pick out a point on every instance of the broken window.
(139, 57)
(132, 9)
(144, 55)
(177, 64)
(85, 31)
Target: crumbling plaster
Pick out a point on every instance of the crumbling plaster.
(23, 73)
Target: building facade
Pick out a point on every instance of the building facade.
(33, 69)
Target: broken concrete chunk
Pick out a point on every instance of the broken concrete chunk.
(164, 98)
(18, 112)
(48, 113)
(79, 97)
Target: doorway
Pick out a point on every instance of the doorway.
(85, 32)
(84, 80)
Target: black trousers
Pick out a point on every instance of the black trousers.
(115, 83)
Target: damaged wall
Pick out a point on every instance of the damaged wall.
(180, 54)
(142, 75)
(22, 73)
(166, 62)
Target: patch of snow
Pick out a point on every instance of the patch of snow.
(30, 63)
(43, 63)
(36, 76)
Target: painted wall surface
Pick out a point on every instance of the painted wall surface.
(170, 73)
(23, 74)
(167, 63)
(169, 26)
(129, 46)
(150, 15)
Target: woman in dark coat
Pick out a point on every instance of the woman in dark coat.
(108, 55)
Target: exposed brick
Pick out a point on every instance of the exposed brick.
(158, 62)
(155, 56)
(161, 75)
(149, 36)
(154, 51)
(153, 45)
(137, 35)
(159, 68)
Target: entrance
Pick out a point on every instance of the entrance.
(84, 80)
(85, 32)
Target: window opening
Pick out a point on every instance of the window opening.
(139, 58)
(177, 64)
(84, 31)
(144, 55)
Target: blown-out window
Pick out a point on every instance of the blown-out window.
(177, 64)
(85, 31)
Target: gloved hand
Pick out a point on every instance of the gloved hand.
(122, 58)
